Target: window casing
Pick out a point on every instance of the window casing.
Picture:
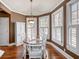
(57, 26)
(73, 27)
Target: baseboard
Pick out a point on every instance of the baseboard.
(61, 51)
(12, 44)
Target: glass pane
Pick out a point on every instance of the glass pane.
(74, 37)
(74, 13)
(53, 33)
(74, 7)
(33, 33)
(58, 34)
(74, 17)
(56, 19)
(61, 18)
(29, 34)
(44, 21)
(43, 31)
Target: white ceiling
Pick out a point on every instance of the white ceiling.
(24, 6)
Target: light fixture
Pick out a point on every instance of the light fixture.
(31, 21)
(31, 6)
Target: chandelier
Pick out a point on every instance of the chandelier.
(31, 21)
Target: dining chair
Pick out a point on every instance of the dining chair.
(35, 51)
(1, 53)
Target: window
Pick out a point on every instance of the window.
(44, 26)
(20, 32)
(31, 28)
(73, 28)
(57, 26)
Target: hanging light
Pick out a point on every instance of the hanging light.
(31, 21)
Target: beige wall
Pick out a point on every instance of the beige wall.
(4, 31)
(15, 17)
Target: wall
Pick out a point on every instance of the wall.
(15, 17)
(4, 30)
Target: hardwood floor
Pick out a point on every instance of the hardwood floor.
(14, 52)
(54, 54)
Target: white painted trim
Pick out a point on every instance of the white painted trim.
(9, 44)
(28, 14)
(61, 51)
(10, 8)
(5, 5)
(12, 44)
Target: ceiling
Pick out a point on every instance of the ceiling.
(38, 6)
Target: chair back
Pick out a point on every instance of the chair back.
(35, 51)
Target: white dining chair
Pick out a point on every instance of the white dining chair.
(1, 53)
(35, 51)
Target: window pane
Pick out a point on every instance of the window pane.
(74, 7)
(43, 31)
(56, 19)
(74, 17)
(53, 34)
(73, 37)
(72, 44)
(61, 18)
(74, 13)
(58, 34)
(44, 21)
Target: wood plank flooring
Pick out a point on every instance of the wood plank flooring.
(14, 52)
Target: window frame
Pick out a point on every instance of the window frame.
(70, 25)
(60, 10)
(47, 27)
(31, 28)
